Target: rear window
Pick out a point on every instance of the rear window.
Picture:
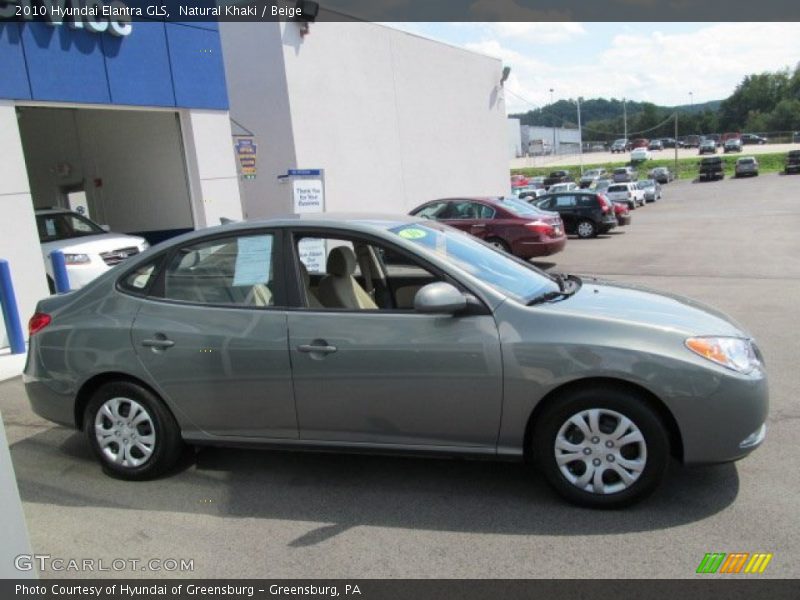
(617, 188)
(746, 161)
(621, 171)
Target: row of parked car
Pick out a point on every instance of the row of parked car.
(536, 220)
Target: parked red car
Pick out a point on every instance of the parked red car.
(640, 143)
(622, 212)
(509, 224)
(518, 181)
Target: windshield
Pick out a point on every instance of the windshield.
(63, 226)
(504, 273)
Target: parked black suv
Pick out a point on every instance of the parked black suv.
(792, 162)
(584, 214)
(558, 177)
(711, 168)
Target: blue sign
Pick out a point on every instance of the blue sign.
(304, 172)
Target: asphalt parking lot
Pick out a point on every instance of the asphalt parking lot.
(238, 513)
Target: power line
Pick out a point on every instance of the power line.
(562, 119)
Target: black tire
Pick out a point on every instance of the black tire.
(168, 444)
(586, 229)
(609, 398)
(499, 244)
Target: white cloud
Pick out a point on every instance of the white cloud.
(652, 66)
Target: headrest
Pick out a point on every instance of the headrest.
(341, 262)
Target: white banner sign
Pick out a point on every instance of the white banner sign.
(308, 196)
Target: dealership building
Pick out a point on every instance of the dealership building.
(156, 128)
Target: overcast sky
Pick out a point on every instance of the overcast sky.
(656, 62)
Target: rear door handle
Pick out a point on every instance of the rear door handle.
(316, 349)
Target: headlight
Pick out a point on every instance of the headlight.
(145, 245)
(76, 259)
(736, 354)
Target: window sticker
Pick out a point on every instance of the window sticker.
(253, 260)
(412, 233)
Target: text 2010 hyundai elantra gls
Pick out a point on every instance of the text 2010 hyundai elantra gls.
(392, 334)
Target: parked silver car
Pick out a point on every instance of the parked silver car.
(386, 333)
(746, 165)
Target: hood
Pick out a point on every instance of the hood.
(648, 307)
(94, 244)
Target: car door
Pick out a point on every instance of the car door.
(212, 335)
(567, 206)
(473, 217)
(395, 376)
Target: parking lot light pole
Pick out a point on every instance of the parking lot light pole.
(676, 143)
(580, 136)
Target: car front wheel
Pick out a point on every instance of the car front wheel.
(131, 431)
(601, 447)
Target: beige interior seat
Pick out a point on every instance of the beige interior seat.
(313, 302)
(339, 289)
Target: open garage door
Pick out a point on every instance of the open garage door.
(125, 169)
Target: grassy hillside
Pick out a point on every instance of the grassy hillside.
(687, 167)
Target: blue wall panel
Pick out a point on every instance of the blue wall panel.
(158, 64)
(138, 66)
(65, 64)
(13, 73)
(197, 67)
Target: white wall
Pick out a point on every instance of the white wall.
(259, 102)
(138, 156)
(394, 119)
(211, 166)
(19, 241)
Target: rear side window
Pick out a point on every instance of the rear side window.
(588, 201)
(617, 188)
(235, 271)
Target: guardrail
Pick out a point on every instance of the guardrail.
(8, 300)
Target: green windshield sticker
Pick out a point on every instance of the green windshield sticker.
(412, 234)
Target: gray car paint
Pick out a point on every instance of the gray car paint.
(398, 381)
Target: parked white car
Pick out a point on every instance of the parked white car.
(627, 193)
(89, 249)
(563, 187)
(640, 154)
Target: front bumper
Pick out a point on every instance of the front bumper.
(724, 423)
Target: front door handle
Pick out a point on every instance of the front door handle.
(313, 348)
(158, 343)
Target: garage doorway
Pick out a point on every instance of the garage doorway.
(124, 169)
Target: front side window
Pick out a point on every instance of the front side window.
(434, 210)
(235, 271)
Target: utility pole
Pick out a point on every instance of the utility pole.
(625, 119)
(554, 123)
(676, 144)
(580, 135)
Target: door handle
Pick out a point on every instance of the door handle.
(158, 343)
(316, 349)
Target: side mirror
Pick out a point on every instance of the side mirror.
(105, 227)
(439, 298)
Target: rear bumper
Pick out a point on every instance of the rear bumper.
(623, 220)
(607, 224)
(534, 248)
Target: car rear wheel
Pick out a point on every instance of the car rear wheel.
(131, 432)
(586, 229)
(499, 244)
(601, 447)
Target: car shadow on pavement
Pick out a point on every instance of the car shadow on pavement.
(349, 490)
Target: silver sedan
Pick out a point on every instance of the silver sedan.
(386, 333)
